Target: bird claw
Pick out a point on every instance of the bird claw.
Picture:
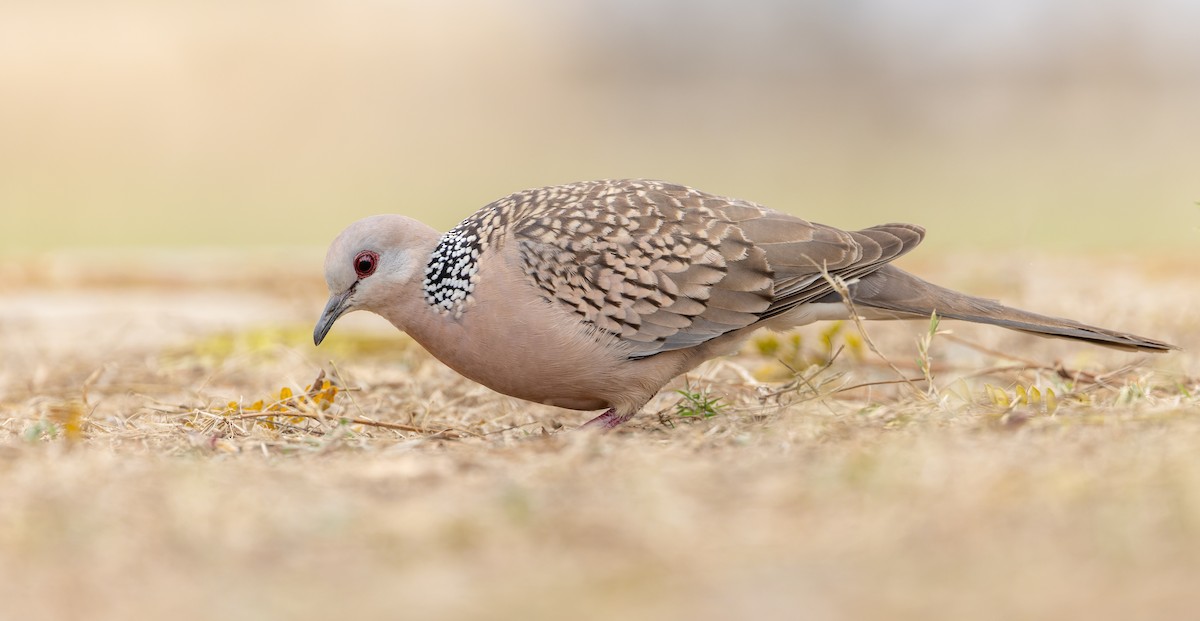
(608, 420)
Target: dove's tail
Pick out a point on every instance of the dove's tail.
(895, 291)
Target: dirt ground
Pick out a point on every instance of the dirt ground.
(168, 451)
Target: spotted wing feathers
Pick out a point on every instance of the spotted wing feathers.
(664, 267)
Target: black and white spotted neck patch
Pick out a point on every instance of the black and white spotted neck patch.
(453, 268)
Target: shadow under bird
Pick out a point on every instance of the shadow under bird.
(594, 295)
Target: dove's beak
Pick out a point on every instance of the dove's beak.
(336, 307)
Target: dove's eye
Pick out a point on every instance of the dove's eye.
(365, 263)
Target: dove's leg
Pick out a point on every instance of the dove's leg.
(608, 419)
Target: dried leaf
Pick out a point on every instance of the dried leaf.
(997, 396)
(69, 417)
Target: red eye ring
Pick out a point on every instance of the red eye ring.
(365, 263)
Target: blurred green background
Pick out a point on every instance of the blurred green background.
(214, 123)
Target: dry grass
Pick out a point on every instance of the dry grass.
(132, 489)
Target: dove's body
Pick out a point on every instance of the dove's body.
(595, 295)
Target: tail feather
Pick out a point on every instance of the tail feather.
(894, 290)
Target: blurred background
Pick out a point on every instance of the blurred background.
(1069, 124)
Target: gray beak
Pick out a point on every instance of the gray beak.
(337, 306)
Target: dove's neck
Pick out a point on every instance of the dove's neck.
(407, 304)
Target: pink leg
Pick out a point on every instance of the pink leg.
(607, 420)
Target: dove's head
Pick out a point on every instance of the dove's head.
(375, 262)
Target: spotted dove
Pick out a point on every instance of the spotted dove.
(594, 295)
